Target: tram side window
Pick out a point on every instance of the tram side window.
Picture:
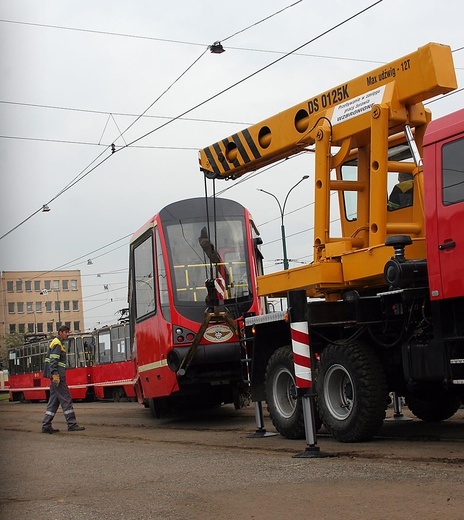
(104, 347)
(81, 360)
(36, 358)
(144, 278)
(118, 344)
(127, 339)
(71, 353)
(162, 280)
(89, 351)
(12, 362)
(43, 351)
(17, 361)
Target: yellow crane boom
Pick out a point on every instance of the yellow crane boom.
(354, 128)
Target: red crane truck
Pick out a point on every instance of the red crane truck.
(384, 299)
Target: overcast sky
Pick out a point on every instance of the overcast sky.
(76, 74)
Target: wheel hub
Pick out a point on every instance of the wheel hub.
(339, 392)
(285, 393)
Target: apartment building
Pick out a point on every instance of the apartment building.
(39, 302)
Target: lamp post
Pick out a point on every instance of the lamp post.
(45, 292)
(282, 213)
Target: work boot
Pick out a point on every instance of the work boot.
(76, 428)
(50, 429)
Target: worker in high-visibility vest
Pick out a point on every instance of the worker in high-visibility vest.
(402, 193)
(55, 369)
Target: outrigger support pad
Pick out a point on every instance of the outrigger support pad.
(260, 431)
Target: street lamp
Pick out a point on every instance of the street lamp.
(44, 292)
(282, 212)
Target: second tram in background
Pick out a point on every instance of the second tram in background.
(99, 366)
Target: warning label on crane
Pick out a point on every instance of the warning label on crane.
(357, 106)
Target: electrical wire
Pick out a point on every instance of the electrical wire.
(197, 44)
(125, 114)
(260, 21)
(246, 78)
(106, 146)
(82, 175)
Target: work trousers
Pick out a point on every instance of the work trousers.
(59, 395)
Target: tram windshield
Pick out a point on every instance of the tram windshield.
(199, 251)
(196, 257)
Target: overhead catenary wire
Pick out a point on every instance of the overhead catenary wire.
(82, 175)
(106, 146)
(185, 148)
(239, 82)
(125, 114)
(196, 44)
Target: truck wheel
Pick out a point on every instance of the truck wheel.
(435, 408)
(352, 392)
(285, 410)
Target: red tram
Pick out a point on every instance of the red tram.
(193, 270)
(99, 366)
(113, 370)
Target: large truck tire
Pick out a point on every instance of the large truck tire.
(436, 408)
(285, 409)
(352, 392)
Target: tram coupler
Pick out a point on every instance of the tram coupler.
(213, 314)
(260, 431)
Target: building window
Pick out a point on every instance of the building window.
(19, 286)
(76, 326)
(29, 308)
(56, 285)
(49, 327)
(40, 327)
(12, 328)
(21, 328)
(10, 307)
(65, 285)
(37, 285)
(38, 306)
(47, 285)
(68, 324)
(30, 327)
(48, 306)
(57, 307)
(28, 286)
(9, 286)
(20, 307)
(66, 306)
(73, 285)
(75, 305)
